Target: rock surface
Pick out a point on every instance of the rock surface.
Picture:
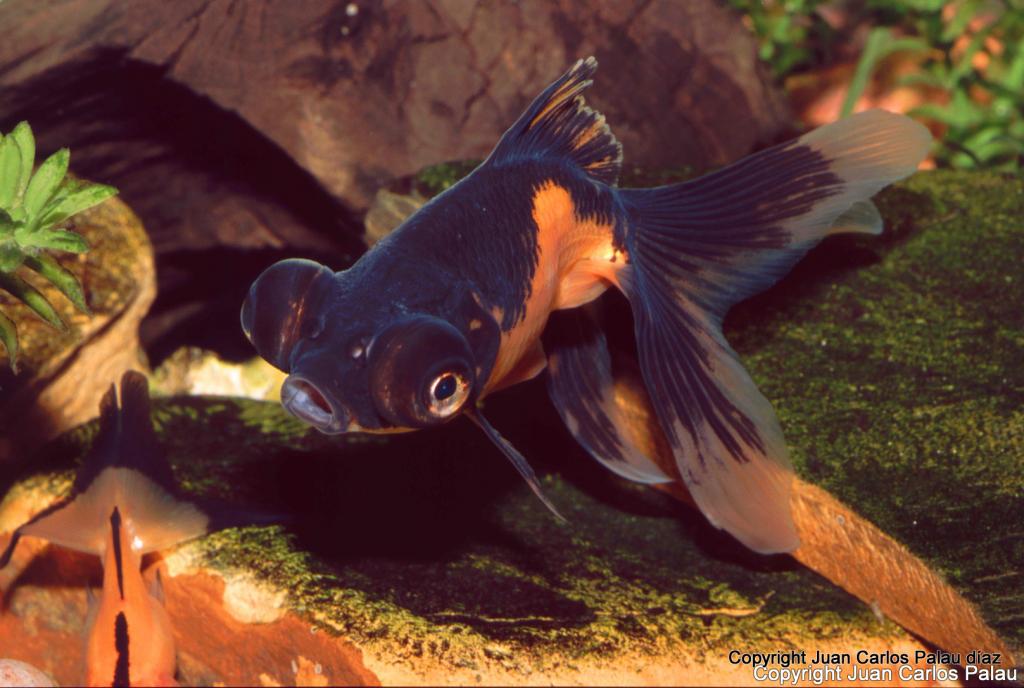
(893, 363)
(247, 132)
(62, 374)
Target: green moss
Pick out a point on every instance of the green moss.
(436, 178)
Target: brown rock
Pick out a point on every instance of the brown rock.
(360, 93)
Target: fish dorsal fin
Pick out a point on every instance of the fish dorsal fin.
(558, 124)
(126, 437)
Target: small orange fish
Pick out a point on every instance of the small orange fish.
(124, 504)
(455, 303)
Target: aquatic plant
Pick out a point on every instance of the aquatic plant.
(33, 211)
(970, 54)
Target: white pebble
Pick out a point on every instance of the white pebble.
(15, 673)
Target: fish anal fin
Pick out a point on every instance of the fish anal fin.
(606, 411)
(559, 125)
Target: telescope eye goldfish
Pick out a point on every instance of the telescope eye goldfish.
(454, 304)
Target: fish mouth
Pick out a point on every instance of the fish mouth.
(302, 399)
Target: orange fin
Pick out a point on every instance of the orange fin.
(558, 124)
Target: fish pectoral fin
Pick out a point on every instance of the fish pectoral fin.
(607, 412)
(529, 366)
(585, 281)
(74, 523)
(518, 460)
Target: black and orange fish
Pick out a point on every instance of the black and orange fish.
(452, 305)
(124, 504)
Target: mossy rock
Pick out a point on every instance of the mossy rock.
(894, 364)
(61, 374)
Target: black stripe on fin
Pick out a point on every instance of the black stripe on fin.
(581, 386)
(699, 247)
(559, 125)
(115, 532)
(122, 677)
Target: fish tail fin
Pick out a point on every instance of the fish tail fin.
(559, 124)
(699, 247)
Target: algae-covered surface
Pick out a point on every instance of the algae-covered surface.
(895, 364)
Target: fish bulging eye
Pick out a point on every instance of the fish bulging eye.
(447, 394)
(276, 314)
(421, 372)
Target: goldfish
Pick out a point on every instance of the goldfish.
(124, 503)
(456, 303)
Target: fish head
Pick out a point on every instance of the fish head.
(369, 352)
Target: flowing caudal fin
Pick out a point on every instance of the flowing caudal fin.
(699, 247)
(558, 125)
(582, 387)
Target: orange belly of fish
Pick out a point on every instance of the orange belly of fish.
(576, 263)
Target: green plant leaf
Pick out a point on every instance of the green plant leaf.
(10, 171)
(31, 297)
(933, 112)
(11, 257)
(879, 45)
(76, 201)
(45, 182)
(921, 79)
(58, 239)
(22, 135)
(61, 278)
(965, 65)
(966, 11)
(9, 338)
